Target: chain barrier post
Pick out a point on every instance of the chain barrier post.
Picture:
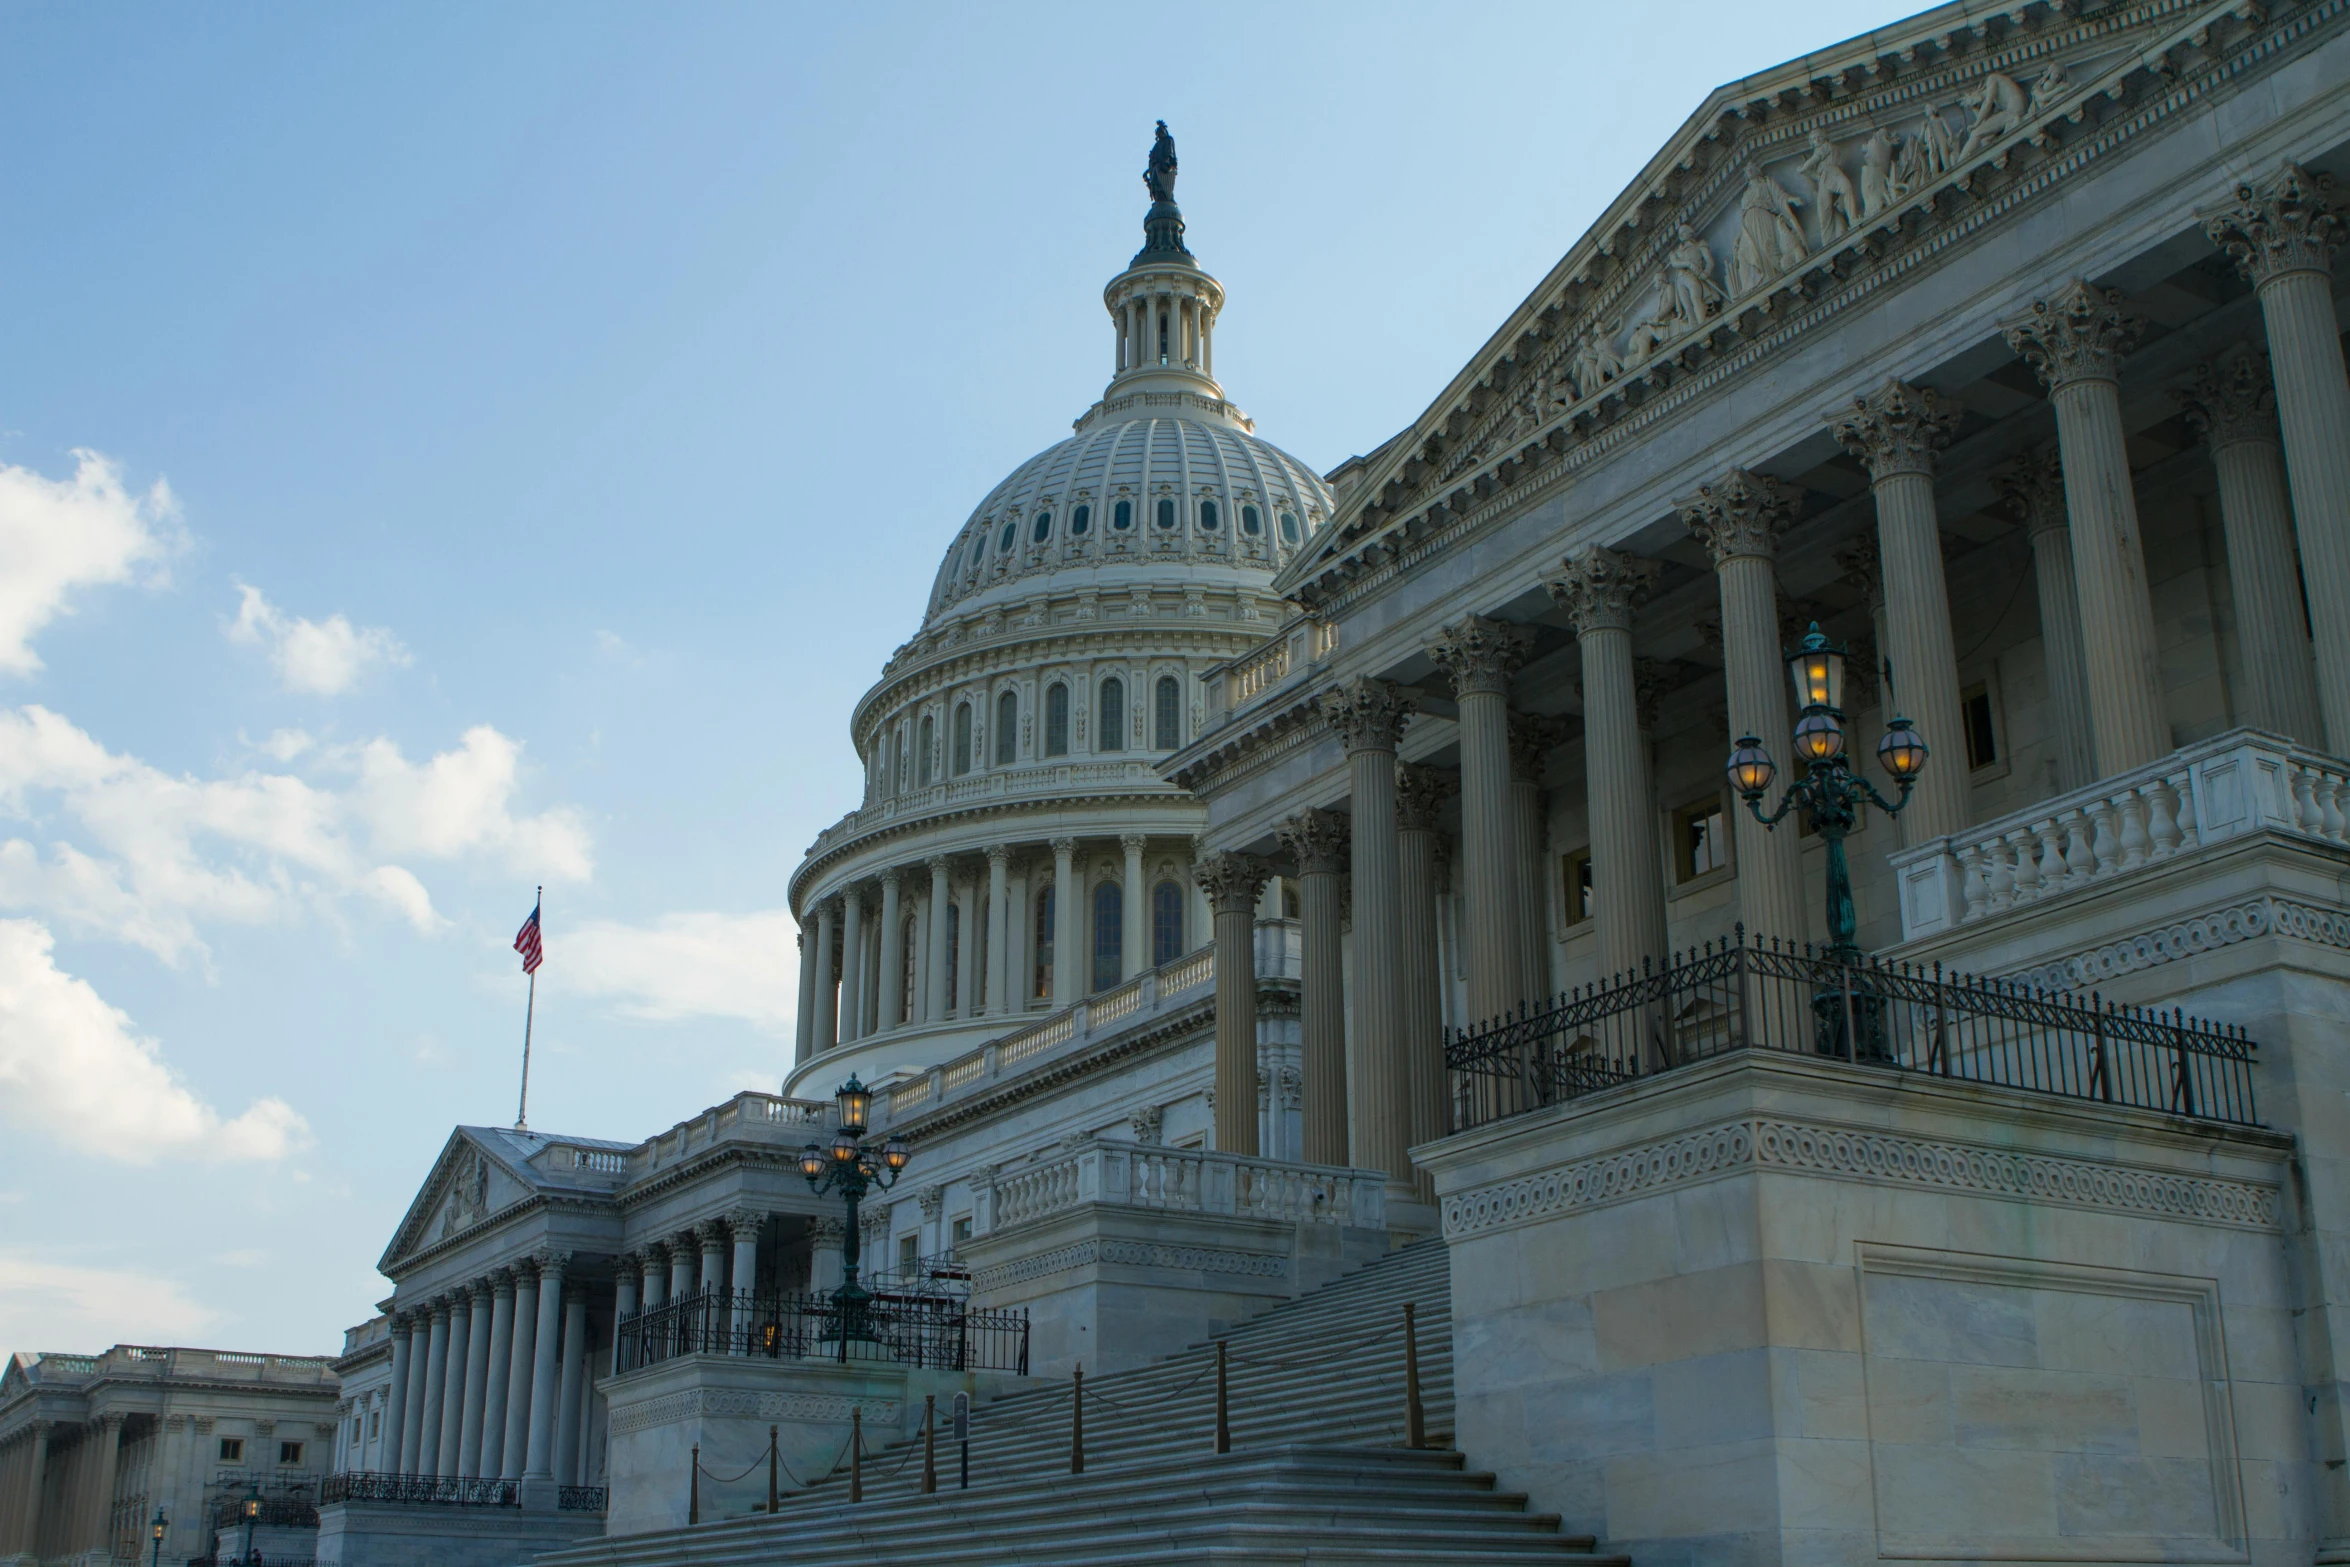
(773, 1458)
(693, 1490)
(929, 1444)
(1077, 1423)
(1223, 1401)
(963, 1434)
(1415, 1433)
(856, 1454)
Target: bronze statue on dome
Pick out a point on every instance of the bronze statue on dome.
(1158, 177)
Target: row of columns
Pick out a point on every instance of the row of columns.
(27, 1525)
(693, 1261)
(986, 971)
(487, 1381)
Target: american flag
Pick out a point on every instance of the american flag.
(526, 942)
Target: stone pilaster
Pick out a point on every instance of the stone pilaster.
(1233, 882)
(396, 1404)
(1317, 840)
(1369, 716)
(1480, 657)
(436, 1389)
(1532, 739)
(853, 1020)
(2076, 342)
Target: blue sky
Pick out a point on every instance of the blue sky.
(445, 449)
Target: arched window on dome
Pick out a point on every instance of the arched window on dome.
(1289, 533)
(1252, 521)
(1041, 988)
(1109, 934)
(1207, 516)
(1007, 729)
(1110, 732)
(926, 752)
(1166, 923)
(1044, 526)
(1056, 720)
(1003, 546)
(962, 738)
(1079, 521)
(1167, 714)
(1166, 514)
(904, 765)
(978, 548)
(1122, 516)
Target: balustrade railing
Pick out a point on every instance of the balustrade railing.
(581, 1499)
(419, 1490)
(1749, 994)
(937, 1331)
(1184, 1180)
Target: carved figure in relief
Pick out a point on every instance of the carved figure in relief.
(1770, 240)
(1880, 182)
(1998, 112)
(1652, 331)
(1689, 272)
(1926, 153)
(1837, 203)
(1595, 364)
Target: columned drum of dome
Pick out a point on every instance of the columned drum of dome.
(1056, 665)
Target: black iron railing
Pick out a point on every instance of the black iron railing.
(1749, 994)
(432, 1490)
(937, 1331)
(298, 1510)
(580, 1499)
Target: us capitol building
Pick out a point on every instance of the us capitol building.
(1732, 949)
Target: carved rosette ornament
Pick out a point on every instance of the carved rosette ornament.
(1897, 429)
(1368, 714)
(2231, 399)
(2293, 224)
(2082, 334)
(1232, 882)
(2032, 489)
(1600, 588)
(1740, 514)
(1420, 793)
(1480, 655)
(1317, 840)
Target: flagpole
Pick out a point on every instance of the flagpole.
(529, 1012)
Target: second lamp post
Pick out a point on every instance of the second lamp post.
(852, 1169)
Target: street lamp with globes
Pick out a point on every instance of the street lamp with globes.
(851, 1168)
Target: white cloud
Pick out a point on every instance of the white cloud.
(57, 535)
(319, 657)
(47, 1306)
(71, 1068)
(689, 965)
(457, 803)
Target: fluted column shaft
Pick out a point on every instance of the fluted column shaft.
(1068, 924)
(1318, 841)
(827, 1033)
(108, 1437)
(498, 1376)
(1599, 592)
(681, 1266)
(893, 953)
(852, 965)
(934, 984)
(1232, 882)
(1419, 796)
(2035, 487)
(624, 1306)
(545, 1384)
(804, 1037)
(396, 1400)
(436, 1391)
(965, 941)
(453, 1390)
(1133, 938)
(36, 1490)
(1370, 715)
(516, 1450)
(1530, 841)
(1003, 991)
(574, 1387)
(477, 1376)
(1481, 655)
(745, 1230)
(2076, 343)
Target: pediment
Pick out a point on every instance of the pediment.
(469, 1181)
(1782, 190)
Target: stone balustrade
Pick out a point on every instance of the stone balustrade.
(1182, 1180)
(1292, 652)
(749, 1115)
(1011, 783)
(2241, 782)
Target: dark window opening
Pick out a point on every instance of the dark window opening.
(1166, 923)
(1109, 934)
(1289, 527)
(1044, 525)
(1110, 731)
(1122, 518)
(1080, 520)
(1701, 839)
(1056, 721)
(1007, 729)
(1166, 514)
(1982, 740)
(1252, 522)
(1167, 717)
(1207, 516)
(1578, 886)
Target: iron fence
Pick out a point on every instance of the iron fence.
(941, 1332)
(1745, 994)
(432, 1490)
(286, 1510)
(580, 1499)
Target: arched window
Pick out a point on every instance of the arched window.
(926, 751)
(1167, 714)
(1003, 546)
(1007, 729)
(1207, 516)
(1252, 521)
(1044, 944)
(1110, 732)
(1056, 720)
(1289, 527)
(1044, 526)
(1166, 514)
(962, 738)
(1122, 516)
(904, 753)
(1166, 923)
(1291, 906)
(1109, 934)
(1080, 520)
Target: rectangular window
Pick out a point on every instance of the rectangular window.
(1982, 739)
(1701, 839)
(962, 1230)
(1578, 887)
(375, 1424)
(232, 1449)
(289, 1452)
(909, 1253)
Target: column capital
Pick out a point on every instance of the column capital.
(2292, 223)
(999, 854)
(1599, 588)
(1368, 714)
(684, 1240)
(437, 1309)
(1317, 839)
(1420, 793)
(2082, 334)
(932, 1200)
(1897, 429)
(937, 864)
(746, 1223)
(1132, 842)
(893, 879)
(2032, 487)
(1231, 881)
(1481, 654)
(1740, 514)
(1532, 739)
(655, 1255)
(2230, 399)
(551, 1264)
(479, 1289)
(626, 1269)
(827, 1230)
(1862, 571)
(1063, 848)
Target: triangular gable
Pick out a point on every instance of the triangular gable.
(474, 1177)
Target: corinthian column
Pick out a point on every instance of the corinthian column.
(2230, 402)
(2282, 236)
(1599, 591)
(2034, 490)
(477, 1374)
(1318, 841)
(827, 1032)
(1896, 431)
(1369, 715)
(2076, 342)
(1419, 801)
(1068, 925)
(804, 1040)
(1739, 518)
(396, 1400)
(852, 965)
(436, 1392)
(545, 1386)
(1002, 999)
(1132, 937)
(934, 984)
(524, 1359)
(893, 953)
(1532, 739)
(1232, 883)
(499, 1375)
(1480, 656)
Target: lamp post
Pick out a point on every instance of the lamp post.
(155, 1559)
(851, 1168)
(252, 1517)
(1831, 795)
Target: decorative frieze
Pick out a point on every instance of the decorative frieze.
(2190, 937)
(1132, 1254)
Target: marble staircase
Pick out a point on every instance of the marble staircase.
(1317, 1472)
